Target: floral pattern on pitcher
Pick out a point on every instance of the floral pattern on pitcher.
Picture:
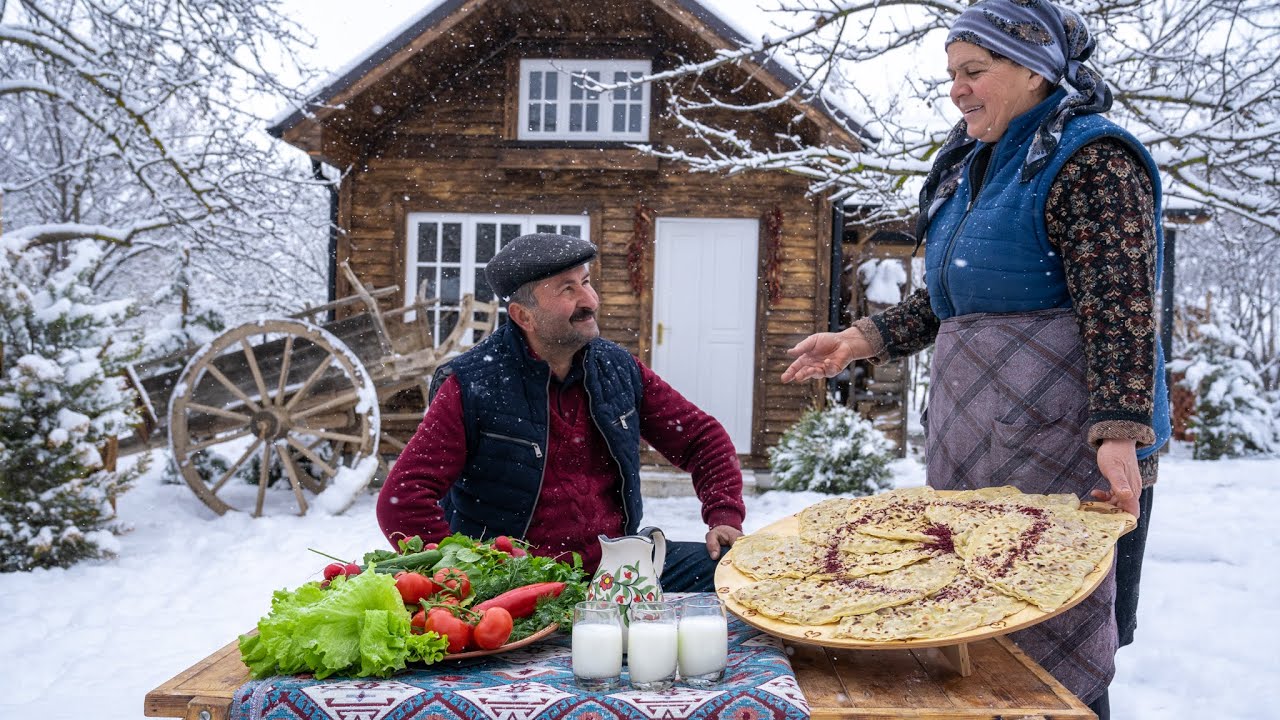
(628, 585)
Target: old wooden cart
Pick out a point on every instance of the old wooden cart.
(275, 415)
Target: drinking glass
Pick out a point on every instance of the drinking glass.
(651, 646)
(597, 645)
(703, 641)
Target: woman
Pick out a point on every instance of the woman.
(1042, 254)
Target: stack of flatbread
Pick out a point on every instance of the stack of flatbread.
(919, 564)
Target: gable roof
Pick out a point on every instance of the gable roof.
(436, 23)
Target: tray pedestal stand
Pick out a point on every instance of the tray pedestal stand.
(958, 656)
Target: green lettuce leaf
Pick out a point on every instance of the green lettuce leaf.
(358, 626)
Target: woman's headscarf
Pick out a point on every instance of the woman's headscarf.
(1047, 39)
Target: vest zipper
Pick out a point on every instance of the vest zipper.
(626, 516)
(537, 449)
(542, 477)
(974, 192)
(623, 419)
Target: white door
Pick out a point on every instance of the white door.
(704, 316)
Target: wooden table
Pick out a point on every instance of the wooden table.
(839, 684)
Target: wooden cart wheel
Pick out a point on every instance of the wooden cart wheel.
(272, 401)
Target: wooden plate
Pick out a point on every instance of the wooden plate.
(728, 579)
(544, 632)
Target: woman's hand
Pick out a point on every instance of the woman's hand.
(1118, 461)
(826, 354)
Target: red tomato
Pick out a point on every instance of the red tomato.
(446, 599)
(493, 629)
(443, 622)
(414, 586)
(419, 620)
(453, 579)
(503, 543)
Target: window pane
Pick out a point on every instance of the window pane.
(510, 232)
(634, 125)
(637, 92)
(427, 278)
(535, 118)
(575, 89)
(486, 241)
(593, 118)
(446, 319)
(620, 93)
(450, 284)
(575, 117)
(483, 293)
(545, 229)
(535, 85)
(571, 230)
(619, 117)
(552, 81)
(427, 242)
(451, 248)
(549, 118)
(595, 78)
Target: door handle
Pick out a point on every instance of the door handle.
(661, 328)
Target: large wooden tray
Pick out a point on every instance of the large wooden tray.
(728, 579)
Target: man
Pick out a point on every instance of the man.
(535, 432)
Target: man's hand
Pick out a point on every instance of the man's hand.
(826, 354)
(1118, 461)
(721, 536)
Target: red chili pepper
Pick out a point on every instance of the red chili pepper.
(521, 601)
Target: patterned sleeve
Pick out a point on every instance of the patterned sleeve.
(904, 329)
(1100, 215)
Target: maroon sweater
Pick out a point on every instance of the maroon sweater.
(580, 497)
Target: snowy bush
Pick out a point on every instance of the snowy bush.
(61, 398)
(832, 451)
(1233, 415)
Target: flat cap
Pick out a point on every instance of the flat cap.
(534, 257)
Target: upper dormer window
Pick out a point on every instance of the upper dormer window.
(556, 103)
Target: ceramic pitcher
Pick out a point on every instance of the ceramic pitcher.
(629, 569)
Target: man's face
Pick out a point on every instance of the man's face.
(565, 313)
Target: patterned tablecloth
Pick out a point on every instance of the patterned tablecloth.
(533, 683)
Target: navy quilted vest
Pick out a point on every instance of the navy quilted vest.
(991, 253)
(505, 407)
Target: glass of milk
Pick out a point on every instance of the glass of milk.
(703, 640)
(597, 645)
(651, 646)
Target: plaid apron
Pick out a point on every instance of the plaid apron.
(1007, 406)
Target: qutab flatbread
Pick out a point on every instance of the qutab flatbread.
(767, 556)
(814, 602)
(964, 604)
(1042, 558)
(913, 564)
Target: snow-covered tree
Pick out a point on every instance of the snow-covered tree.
(833, 450)
(1197, 81)
(1233, 414)
(61, 398)
(137, 124)
(1232, 269)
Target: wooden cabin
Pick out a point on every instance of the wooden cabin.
(469, 128)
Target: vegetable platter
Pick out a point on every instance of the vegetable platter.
(424, 604)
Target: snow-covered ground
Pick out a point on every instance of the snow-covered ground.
(92, 640)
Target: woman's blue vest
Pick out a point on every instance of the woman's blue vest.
(506, 415)
(991, 253)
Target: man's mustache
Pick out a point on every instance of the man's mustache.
(582, 314)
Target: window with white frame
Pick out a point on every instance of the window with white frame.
(557, 101)
(447, 253)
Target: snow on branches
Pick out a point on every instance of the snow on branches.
(61, 398)
(1197, 81)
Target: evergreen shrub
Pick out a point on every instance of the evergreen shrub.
(833, 450)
